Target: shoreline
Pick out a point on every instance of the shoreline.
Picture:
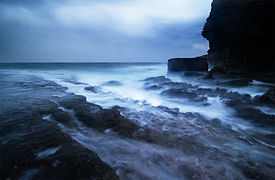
(52, 112)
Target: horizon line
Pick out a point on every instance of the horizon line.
(74, 62)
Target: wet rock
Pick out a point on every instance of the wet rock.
(152, 87)
(236, 99)
(179, 93)
(256, 172)
(35, 148)
(216, 122)
(174, 111)
(77, 102)
(220, 92)
(108, 119)
(187, 64)
(236, 82)
(267, 98)
(217, 70)
(74, 81)
(191, 173)
(43, 107)
(160, 79)
(27, 135)
(193, 74)
(178, 85)
(93, 89)
(206, 91)
(208, 76)
(159, 83)
(264, 76)
(255, 116)
(155, 83)
(119, 108)
(95, 117)
(112, 83)
(41, 84)
(62, 117)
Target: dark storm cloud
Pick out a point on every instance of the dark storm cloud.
(100, 30)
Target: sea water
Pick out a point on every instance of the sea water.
(139, 160)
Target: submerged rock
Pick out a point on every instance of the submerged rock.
(187, 64)
(179, 93)
(93, 89)
(112, 83)
(155, 83)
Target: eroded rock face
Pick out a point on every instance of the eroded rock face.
(241, 34)
(187, 64)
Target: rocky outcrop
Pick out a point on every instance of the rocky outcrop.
(241, 35)
(94, 116)
(266, 98)
(187, 64)
(34, 148)
(33, 145)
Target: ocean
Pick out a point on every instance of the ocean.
(200, 121)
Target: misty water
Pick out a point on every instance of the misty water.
(204, 140)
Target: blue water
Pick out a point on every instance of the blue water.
(139, 160)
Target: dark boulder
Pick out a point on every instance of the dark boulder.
(93, 89)
(187, 64)
(266, 98)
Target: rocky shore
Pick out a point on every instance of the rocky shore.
(32, 144)
(48, 133)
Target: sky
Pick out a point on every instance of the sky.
(101, 30)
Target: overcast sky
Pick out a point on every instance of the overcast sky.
(101, 30)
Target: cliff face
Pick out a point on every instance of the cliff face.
(241, 35)
(188, 64)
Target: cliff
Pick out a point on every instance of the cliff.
(241, 35)
(188, 64)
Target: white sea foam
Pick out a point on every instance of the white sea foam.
(47, 152)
